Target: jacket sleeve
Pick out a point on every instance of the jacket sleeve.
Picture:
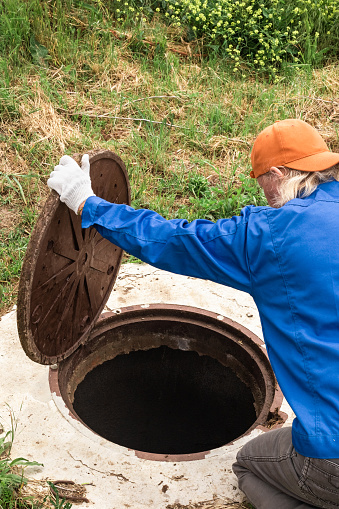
(202, 249)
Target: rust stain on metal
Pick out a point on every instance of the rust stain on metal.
(171, 457)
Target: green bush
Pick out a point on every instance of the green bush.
(264, 33)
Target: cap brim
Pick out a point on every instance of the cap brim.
(316, 162)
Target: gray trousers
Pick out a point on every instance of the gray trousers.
(274, 476)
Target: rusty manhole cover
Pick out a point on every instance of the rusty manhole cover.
(68, 272)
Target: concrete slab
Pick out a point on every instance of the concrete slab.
(116, 479)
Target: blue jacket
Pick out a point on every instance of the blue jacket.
(288, 260)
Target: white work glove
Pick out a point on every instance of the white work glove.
(72, 182)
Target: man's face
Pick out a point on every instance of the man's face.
(270, 183)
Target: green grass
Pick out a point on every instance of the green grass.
(73, 79)
(13, 480)
(12, 250)
(12, 477)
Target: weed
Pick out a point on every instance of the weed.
(12, 477)
(12, 249)
(13, 481)
(55, 501)
(198, 185)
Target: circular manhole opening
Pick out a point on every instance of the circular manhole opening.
(169, 380)
(165, 401)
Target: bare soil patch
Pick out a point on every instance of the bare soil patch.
(8, 219)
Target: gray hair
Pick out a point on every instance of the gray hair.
(296, 183)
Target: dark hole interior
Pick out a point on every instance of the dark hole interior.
(165, 401)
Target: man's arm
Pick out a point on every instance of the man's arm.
(203, 249)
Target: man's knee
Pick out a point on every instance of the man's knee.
(238, 467)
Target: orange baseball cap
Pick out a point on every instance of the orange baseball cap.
(292, 143)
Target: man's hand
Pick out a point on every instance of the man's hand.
(72, 182)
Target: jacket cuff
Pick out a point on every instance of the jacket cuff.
(89, 211)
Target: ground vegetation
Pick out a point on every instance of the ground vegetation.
(77, 75)
(17, 490)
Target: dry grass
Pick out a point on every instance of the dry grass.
(131, 88)
(8, 218)
(95, 103)
(43, 493)
(39, 117)
(46, 121)
(10, 161)
(215, 503)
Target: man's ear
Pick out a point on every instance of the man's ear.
(277, 171)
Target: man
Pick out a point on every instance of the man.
(286, 256)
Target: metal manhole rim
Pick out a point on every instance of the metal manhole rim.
(128, 315)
